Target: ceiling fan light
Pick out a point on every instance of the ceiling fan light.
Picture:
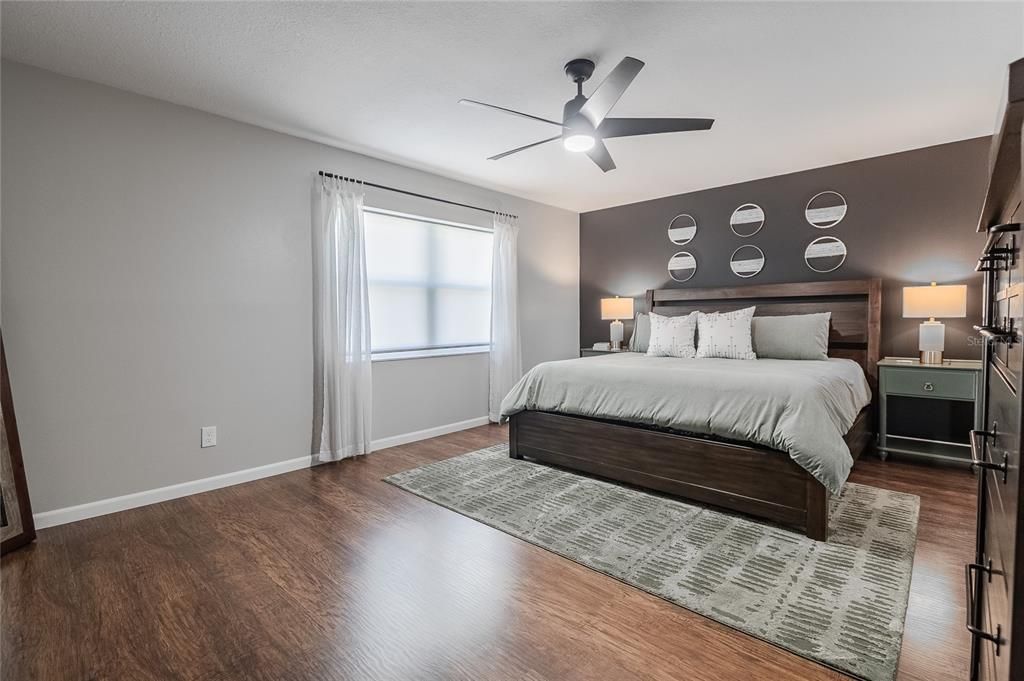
(578, 142)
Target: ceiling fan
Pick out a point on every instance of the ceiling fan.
(585, 124)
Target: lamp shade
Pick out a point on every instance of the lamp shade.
(935, 301)
(616, 308)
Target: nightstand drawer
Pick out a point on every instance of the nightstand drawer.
(955, 385)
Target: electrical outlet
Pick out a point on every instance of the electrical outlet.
(209, 436)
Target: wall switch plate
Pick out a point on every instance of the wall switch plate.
(209, 436)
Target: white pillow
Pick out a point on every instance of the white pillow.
(725, 334)
(672, 336)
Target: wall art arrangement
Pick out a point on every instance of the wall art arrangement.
(823, 254)
(746, 221)
(825, 210)
(681, 230)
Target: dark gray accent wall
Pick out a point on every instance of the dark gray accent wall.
(911, 220)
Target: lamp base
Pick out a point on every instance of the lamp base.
(931, 341)
(616, 333)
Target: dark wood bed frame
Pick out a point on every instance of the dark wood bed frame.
(738, 476)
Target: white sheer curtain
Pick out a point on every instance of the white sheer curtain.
(506, 363)
(341, 311)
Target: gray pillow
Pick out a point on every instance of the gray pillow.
(641, 337)
(801, 336)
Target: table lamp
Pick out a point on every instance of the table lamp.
(616, 309)
(931, 302)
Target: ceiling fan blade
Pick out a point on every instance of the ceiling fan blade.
(610, 90)
(627, 127)
(599, 155)
(482, 105)
(518, 149)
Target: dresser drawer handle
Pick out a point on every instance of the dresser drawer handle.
(929, 386)
(972, 608)
(978, 459)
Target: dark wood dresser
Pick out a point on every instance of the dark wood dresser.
(995, 588)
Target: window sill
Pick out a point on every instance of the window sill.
(432, 352)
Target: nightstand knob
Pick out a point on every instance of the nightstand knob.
(929, 386)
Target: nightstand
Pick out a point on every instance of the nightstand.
(591, 352)
(928, 410)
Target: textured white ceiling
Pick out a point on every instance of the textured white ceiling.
(792, 86)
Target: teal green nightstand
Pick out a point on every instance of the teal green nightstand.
(954, 380)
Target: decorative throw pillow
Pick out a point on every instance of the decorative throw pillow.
(725, 334)
(641, 338)
(801, 336)
(672, 336)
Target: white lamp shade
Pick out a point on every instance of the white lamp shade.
(935, 301)
(616, 308)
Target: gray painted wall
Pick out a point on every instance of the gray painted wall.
(911, 220)
(156, 278)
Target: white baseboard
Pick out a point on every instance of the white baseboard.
(70, 514)
(92, 509)
(428, 433)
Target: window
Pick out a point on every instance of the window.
(430, 284)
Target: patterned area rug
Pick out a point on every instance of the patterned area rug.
(841, 603)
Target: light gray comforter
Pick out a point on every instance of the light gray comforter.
(802, 407)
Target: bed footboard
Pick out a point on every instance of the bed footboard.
(764, 483)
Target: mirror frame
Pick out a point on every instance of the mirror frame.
(673, 221)
(695, 266)
(759, 227)
(824, 238)
(764, 259)
(846, 208)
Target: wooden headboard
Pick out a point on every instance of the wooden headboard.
(855, 304)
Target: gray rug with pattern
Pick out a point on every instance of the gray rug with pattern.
(841, 603)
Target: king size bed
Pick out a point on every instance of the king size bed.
(768, 437)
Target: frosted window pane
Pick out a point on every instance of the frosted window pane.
(463, 257)
(463, 316)
(396, 249)
(430, 283)
(398, 317)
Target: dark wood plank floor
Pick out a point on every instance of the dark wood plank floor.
(330, 573)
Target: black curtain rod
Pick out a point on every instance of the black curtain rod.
(324, 173)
